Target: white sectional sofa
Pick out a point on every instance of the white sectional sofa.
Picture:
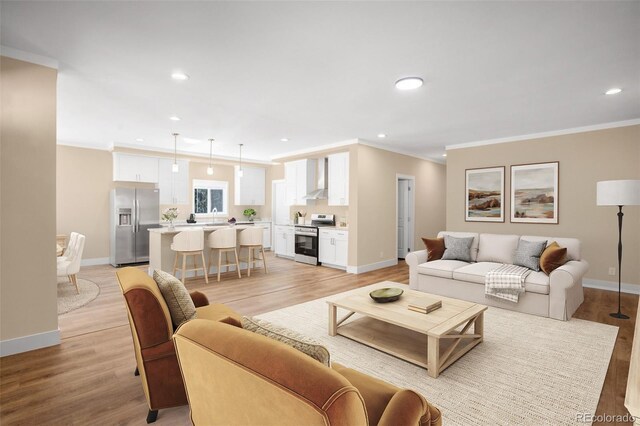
(557, 295)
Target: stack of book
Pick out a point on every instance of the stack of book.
(425, 305)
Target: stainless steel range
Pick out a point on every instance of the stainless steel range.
(306, 238)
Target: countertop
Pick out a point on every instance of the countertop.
(166, 230)
(216, 223)
(336, 228)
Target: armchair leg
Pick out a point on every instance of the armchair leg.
(137, 372)
(152, 416)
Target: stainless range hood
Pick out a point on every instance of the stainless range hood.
(322, 192)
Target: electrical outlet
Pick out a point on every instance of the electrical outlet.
(612, 270)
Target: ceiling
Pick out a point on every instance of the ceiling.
(319, 73)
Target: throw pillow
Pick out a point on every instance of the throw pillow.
(457, 248)
(528, 254)
(552, 258)
(435, 248)
(176, 296)
(295, 340)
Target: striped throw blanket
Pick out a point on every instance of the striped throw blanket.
(506, 282)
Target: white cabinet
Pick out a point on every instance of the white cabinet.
(266, 234)
(134, 168)
(300, 178)
(174, 187)
(333, 247)
(338, 179)
(249, 189)
(284, 242)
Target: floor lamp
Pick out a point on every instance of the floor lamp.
(619, 193)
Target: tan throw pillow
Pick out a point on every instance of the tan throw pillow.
(176, 296)
(553, 257)
(435, 248)
(284, 335)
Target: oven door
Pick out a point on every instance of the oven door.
(306, 247)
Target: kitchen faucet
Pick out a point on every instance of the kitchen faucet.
(215, 210)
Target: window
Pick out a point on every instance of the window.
(209, 195)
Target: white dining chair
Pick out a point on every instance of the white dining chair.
(251, 239)
(189, 244)
(69, 264)
(223, 241)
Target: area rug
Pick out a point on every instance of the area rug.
(528, 370)
(69, 300)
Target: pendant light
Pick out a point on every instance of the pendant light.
(240, 172)
(210, 168)
(175, 168)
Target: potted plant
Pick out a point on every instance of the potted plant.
(249, 214)
(169, 215)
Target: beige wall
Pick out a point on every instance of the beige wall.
(376, 214)
(85, 179)
(27, 199)
(585, 158)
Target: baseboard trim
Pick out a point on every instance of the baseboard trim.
(371, 266)
(611, 286)
(95, 261)
(29, 343)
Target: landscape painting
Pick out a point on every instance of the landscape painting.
(485, 195)
(534, 193)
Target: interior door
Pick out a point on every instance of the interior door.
(403, 218)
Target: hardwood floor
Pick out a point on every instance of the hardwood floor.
(88, 378)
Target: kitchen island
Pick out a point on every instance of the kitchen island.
(162, 258)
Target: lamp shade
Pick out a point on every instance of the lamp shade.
(619, 193)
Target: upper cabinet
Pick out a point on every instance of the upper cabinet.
(174, 187)
(338, 179)
(300, 178)
(134, 168)
(250, 188)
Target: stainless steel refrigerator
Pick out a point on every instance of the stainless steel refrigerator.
(133, 212)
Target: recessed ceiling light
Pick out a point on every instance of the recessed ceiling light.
(174, 118)
(284, 140)
(382, 135)
(613, 91)
(191, 140)
(444, 155)
(179, 76)
(409, 83)
(139, 140)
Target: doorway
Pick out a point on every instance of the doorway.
(405, 213)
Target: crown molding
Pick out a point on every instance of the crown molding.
(33, 58)
(603, 126)
(315, 149)
(114, 147)
(400, 151)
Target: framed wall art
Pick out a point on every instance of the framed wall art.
(484, 195)
(534, 193)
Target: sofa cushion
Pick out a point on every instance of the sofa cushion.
(179, 302)
(441, 268)
(536, 282)
(435, 248)
(474, 246)
(572, 245)
(304, 344)
(497, 248)
(457, 248)
(552, 258)
(528, 254)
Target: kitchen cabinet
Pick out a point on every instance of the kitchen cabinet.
(300, 179)
(266, 234)
(338, 179)
(134, 168)
(284, 241)
(249, 189)
(333, 247)
(174, 187)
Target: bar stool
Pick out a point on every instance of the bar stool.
(251, 239)
(223, 240)
(189, 243)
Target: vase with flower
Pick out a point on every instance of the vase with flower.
(169, 215)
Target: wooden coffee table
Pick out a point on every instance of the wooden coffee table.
(434, 341)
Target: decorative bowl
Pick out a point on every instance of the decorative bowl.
(385, 295)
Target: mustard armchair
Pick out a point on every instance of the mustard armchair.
(235, 377)
(152, 329)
